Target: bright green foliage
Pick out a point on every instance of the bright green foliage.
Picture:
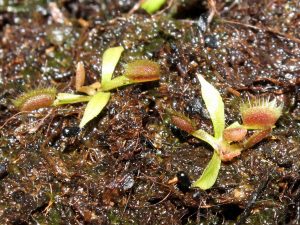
(228, 143)
(214, 105)
(210, 174)
(109, 61)
(235, 125)
(98, 100)
(94, 107)
(151, 6)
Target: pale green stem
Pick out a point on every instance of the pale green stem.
(204, 136)
(115, 83)
(256, 137)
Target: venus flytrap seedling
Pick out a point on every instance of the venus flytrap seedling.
(259, 115)
(109, 61)
(97, 103)
(99, 94)
(181, 121)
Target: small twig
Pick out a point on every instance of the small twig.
(40, 123)
(170, 2)
(198, 211)
(165, 198)
(48, 128)
(13, 117)
(272, 80)
(127, 201)
(135, 7)
(233, 91)
(212, 10)
(233, 4)
(50, 203)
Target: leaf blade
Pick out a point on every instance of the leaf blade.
(214, 105)
(151, 6)
(94, 107)
(110, 59)
(210, 173)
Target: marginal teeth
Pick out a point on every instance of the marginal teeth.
(273, 103)
(260, 102)
(261, 112)
(249, 102)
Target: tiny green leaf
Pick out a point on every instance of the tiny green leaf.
(109, 61)
(151, 6)
(214, 105)
(94, 107)
(66, 98)
(210, 173)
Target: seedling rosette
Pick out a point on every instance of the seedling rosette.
(98, 94)
(259, 115)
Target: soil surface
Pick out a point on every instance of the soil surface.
(116, 170)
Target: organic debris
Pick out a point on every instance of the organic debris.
(116, 170)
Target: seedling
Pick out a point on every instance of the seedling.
(259, 115)
(98, 94)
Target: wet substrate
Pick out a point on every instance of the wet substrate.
(116, 170)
